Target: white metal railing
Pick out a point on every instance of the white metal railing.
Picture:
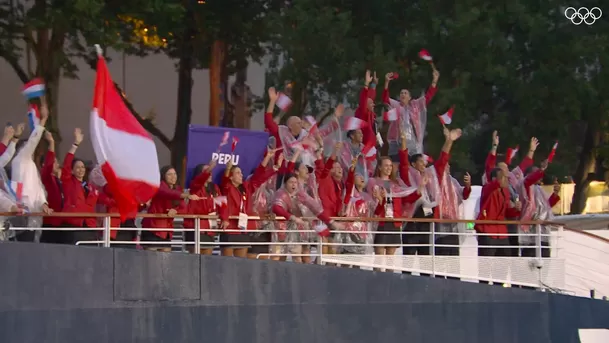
(554, 273)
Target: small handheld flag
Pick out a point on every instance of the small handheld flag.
(552, 153)
(322, 230)
(284, 102)
(224, 140)
(33, 116)
(510, 153)
(220, 201)
(353, 123)
(234, 145)
(447, 117)
(33, 89)
(425, 55)
(369, 151)
(313, 124)
(391, 115)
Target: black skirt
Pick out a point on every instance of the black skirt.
(235, 238)
(189, 236)
(260, 237)
(149, 236)
(384, 238)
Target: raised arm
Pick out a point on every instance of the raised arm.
(66, 170)
(527, 161)
(261, 174)
(49, 159)
(404, 165)
(555, 197)
(32, 142)
(269, 121)
(491, 158)
(450, 137)
(467, 186)
(350, 182)
(433, 88)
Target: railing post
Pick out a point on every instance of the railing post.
(320, 247)
(538, 254)
(197, 235)
(432, 248)
(107, 231)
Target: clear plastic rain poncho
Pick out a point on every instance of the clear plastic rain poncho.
(8, 200)
(359, 204)
(263, 200)
(535, 206)
(397, 188)
(299, 204)
(431, 195)
(412, 120)
(306, 137)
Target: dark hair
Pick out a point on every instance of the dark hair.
(350, 133)
(529, 170)
(299, 163)
(20, 143)
(414, 158)
(495, 172)
(76, 160)
(164, 171)
(289, 176)
(210, 188)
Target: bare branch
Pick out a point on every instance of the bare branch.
(14, 62)
(146, 123)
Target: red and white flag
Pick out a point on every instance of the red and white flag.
(313, 124)
(552, 153)
(447, 117)
(428, 159)
(369, 151)
(283, 102)
(391, 115)
(322, 230)
(425, 55)
(132, 173)
(510, 153)
(220, 201)
(353, 123)
(234, 145)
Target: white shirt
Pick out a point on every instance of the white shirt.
(24, 170)
(7, 155)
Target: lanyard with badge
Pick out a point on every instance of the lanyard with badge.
(389, 205)
(242, 215)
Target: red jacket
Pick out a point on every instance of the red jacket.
(165, 199)
(495, 205)
(366, 115)
(78, 196)
(106, 199)
(330, 191)
(205, 205)
(54, 189)
(238, 202)
(3, 148)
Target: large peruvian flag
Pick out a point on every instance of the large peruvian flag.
(124, 150)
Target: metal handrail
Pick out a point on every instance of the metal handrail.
(347, 219)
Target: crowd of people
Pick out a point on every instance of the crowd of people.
(310, 174)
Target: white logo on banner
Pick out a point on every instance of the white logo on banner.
(225, 158)
(583, 15)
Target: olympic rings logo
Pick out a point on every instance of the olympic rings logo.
(583, 15)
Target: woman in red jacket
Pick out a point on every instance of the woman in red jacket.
(239, 195)
(168, 200)
(50, 177)
(202, 186)
(391, 193)
(79, 195)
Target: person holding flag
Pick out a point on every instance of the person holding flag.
(411, 116)
(25, 172)
(9, 141)
(365, 108)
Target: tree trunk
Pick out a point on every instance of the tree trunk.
(584, 173)
(184, 110)
(218, 56)
(239, 97)
(226, 108)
